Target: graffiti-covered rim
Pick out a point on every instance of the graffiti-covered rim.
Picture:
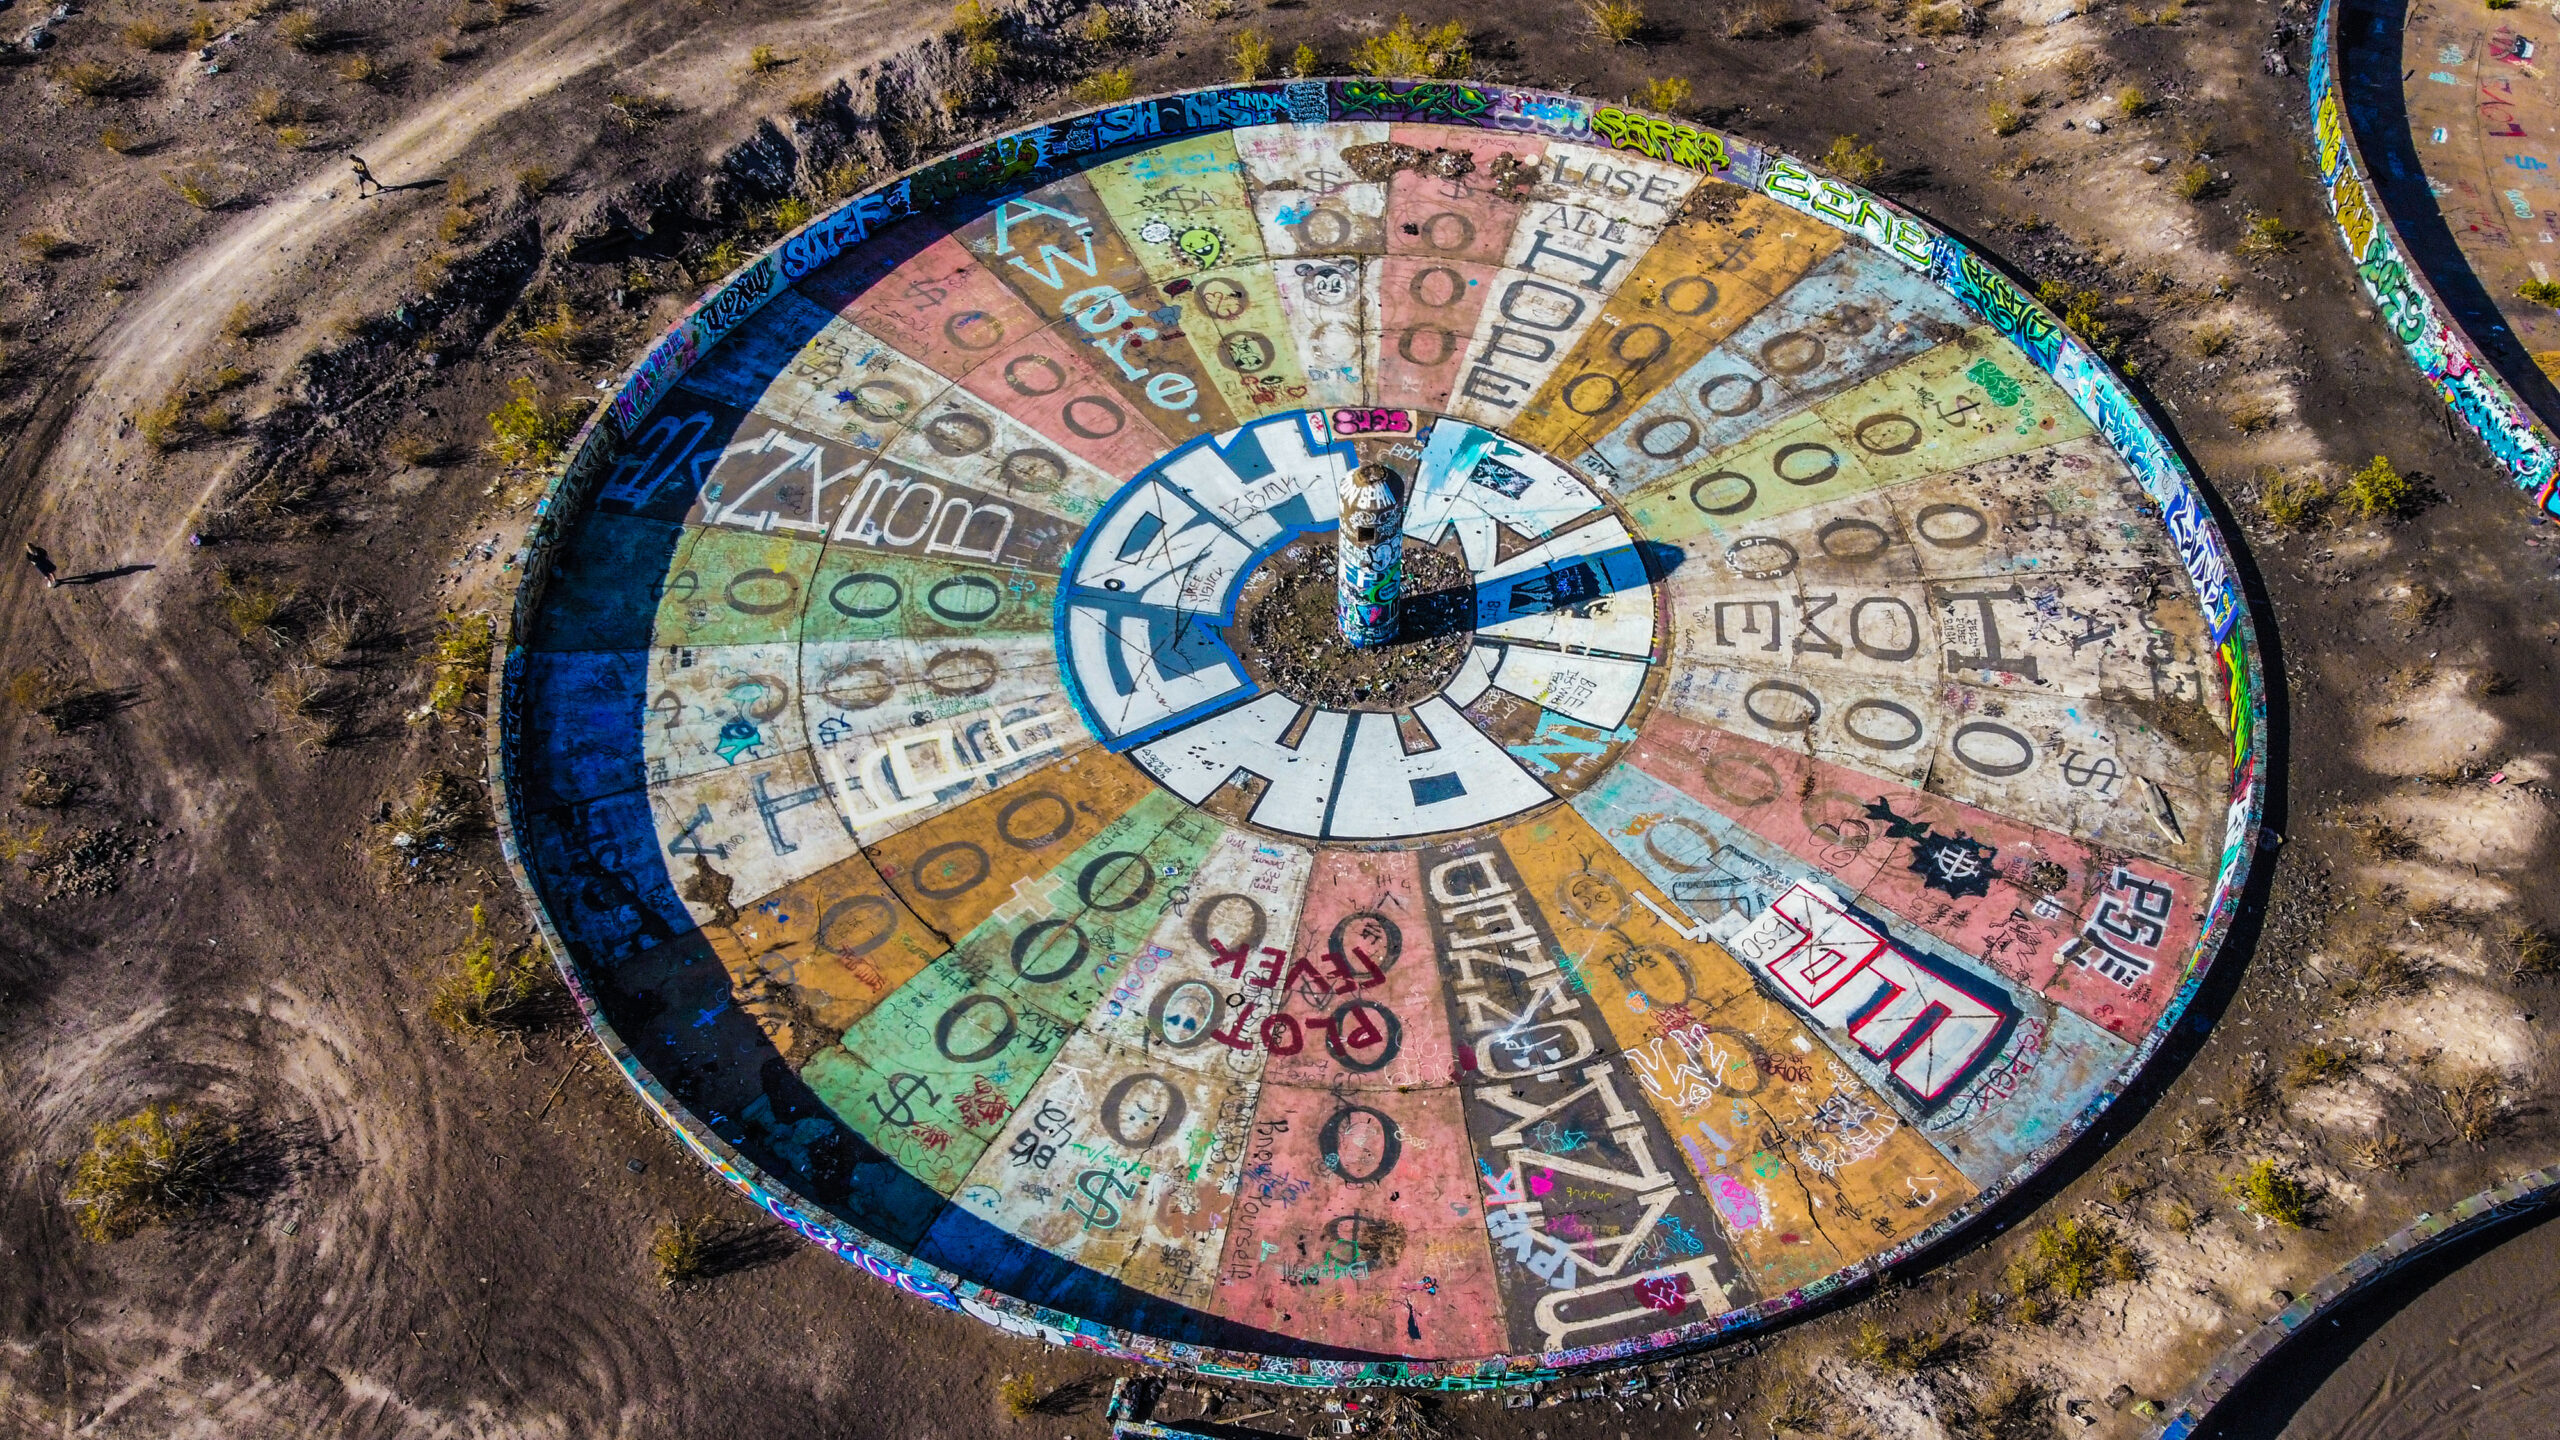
(1015, 160)
(2407, 305)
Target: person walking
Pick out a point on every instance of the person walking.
(43, 564)
(364, 176)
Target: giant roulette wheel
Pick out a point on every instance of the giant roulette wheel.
(1816, 763)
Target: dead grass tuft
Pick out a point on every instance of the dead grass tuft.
(1106, 87)
(152, 36)
(2383, 840)
(2383, 973)
(2475, 1105)
(2533, 953)
(2075, 1258)
(308, 700)
(1404, 51)
(251, 605)
(2381, 1150)
(1858, 164)
(680, 1251)
(460, 662)
(2271, 1190)
(97, 82)
(489, 989)
(153, 1165)
(423, 834)
(2292, 499)
(2267, 236)
(2321, 1064)
(1616, 22)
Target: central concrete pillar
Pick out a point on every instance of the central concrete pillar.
(1370, 548)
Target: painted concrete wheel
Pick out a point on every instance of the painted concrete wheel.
(1816, 764)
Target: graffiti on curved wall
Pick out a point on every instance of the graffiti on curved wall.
(2407, 304)
(1006, 164)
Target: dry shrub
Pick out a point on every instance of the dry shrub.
(2016, 1408)
(2252, 415)
(307, 698)
(424, 833)
(488, 989)
(1858, 164)
(2474, 1104)
(525, 431)
(152, 1165)
(97, 81)
(680, 1251)
(45, 788)
(1668, 96)
(152, 36)
(2321, 1064)
(251, 605)
(2382, 973)
(1797, 1405)
(303, 31)
(2266, 236)
(2006, 119)
(120, 140)
(1019, 1395)
(639, 110)
(2381, 1150)
(2269, 1189)
(2418, 604)
(1904, 1352)
(199, 185)
(2380, 492)
(1953, 18)
(2383, 840)
(54, 698)
(1106, 87)
(1250, 55)
(2075, 1258)
(1758, 20)
(1402, 51)
(765, 59)
(1616, 22)
(2533, 953)
(47, 245)
(2211, 339)
(460, 662)
(344, 631)
(2292, 499)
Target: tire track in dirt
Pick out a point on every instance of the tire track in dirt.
(371, 1315)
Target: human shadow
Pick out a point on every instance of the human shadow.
(94, 577)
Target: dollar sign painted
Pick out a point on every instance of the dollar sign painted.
(2080, 772)
(1098, 1186)
(902, 1091)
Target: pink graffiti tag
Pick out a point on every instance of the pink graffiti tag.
(1372, 422)
(1663, 1292)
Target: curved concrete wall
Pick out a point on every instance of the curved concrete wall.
(2415, 313)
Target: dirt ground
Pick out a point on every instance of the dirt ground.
(2434, 1350)
(448, 1237)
